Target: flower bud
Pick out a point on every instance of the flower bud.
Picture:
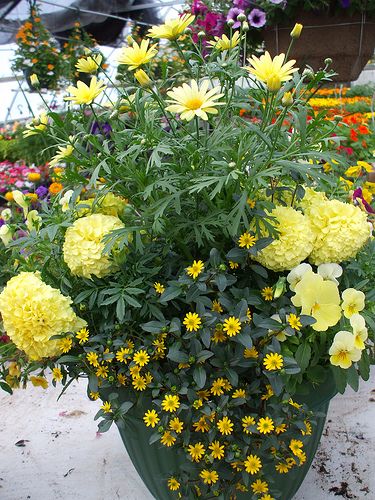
(188, 31)
(296, 31)
(273, 83)
(6, 234)
(6, 214)
(232, 164)
(328, 61)
(245, 26)
(287, 99)
(34, 80)
(230, 23)
(201, 34)
(308, 74)
(241, 17)
(142, 78)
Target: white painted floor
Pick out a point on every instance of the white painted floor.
(64, 459)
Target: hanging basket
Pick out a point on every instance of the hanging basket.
(348, 40)
(155, 463)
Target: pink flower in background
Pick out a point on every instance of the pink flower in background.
(359, 200)
(198, 8)
(233, 13)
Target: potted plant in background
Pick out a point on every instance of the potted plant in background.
(195, 271)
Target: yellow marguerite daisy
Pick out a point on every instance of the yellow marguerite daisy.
(172, 28)
(225, 43)
(141, 358)
(137, 55)
(193, 100)
(167, 439)
(270, 71)
(225, 426)
(36, 126)
(84, 94)
(265, 425)
(62, 153)
(89, 64)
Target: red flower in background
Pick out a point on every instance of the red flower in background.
(353, 135)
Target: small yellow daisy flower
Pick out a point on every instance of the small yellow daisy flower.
(196, 451)
(56, 374)
(252, 464)
(247, 422)
(102, 371)
(239, 393)
(141, 358)
(106, 407)
(265, 425)
(65, 344)
(209, 477)
(217, 450)
(139, 383)
(83, 335)
(273, 361)
(195, 269)
(233, 265)
(259, 486)
(171, 402)
(122, 355)
(172, 28)
(250, 352)
(192, 322)
(246, 240)
(159, 288)
(267, 293)
(93, 358)
(151, 418)
(167, 439)
(232, 326)
(173, 484)
(225, 426)
(83, 94)
(294, 321)
(176, 425)
(216, 306)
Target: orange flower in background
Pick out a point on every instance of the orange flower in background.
(9, 196)
(50, 66)
(37, 19)
(362, 129)
(55, 187)
(353, 135)
(35, 60)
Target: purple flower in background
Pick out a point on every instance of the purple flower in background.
(359, 199)
(101, 128)
(198, 8)
(241, 4)
(232, 14)
(257, 18)
(345, 3)
(42, 192)
(2, 222)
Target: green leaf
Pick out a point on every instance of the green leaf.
(177, 356)
(303, 355)
(153, 326)
(353, 378)
(364, 366)
(125, 407)
(120, 309)
(68, 359)
(104, 425)
(340, 378)
(6, 387)
(199, 376)
(169, 294)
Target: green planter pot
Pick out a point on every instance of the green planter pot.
(155, 463)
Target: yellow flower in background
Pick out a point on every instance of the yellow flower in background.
(273, 361)
(318, 298)
(137, 55)
(192, 322)
(171, 29)
(151, 418)
(343, 351)
(296, 31)
(83, 246)
(89, 64)
(353, 302)
(34, 80)
(56, 374)
(259, 486)
(106, 407)
(36, 126)
(246, 240)
(294, 242)
(225, 43)
(195, 269)
(193, 100)
(252, 464)
(84, 94)
(217, 450)
(357, 170)
(196, 451)
(270, 71)
(358, 323)
(38, 381)
(341, 230)
(173, 484)
(33, 312)
(82, 335)
(209, 476)
(216, 306)
(63, 152)
(142, 78)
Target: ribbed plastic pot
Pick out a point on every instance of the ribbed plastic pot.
(155, 463)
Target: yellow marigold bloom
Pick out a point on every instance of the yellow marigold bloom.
(171, 402)
(195, 269)
(217, 450)
(151, 418)
(252, 464)
(176, 425)
(193, 100)
(318, 298)
(63, 152)
(246, 240)
(294, 321)
(360, 332)
(83, 245)
(225, 426)
(282, 468)
(225, 43)
(36, 126)
(270, 71)
(294, 242)
(209, 476)
(250, 352)
(109, 204)
(246, 423)
(353, 301)
(137, 55)
(93, 358)
(259, 486)
(173, 484)
(106, 407)
(196, 451)
(141, 358)
(239, 393)
(32, 312)
(39, 381)
(343, 351)
(89, 64)
(171, 29)
(159, 288)
(84, 94)
(232, 326)
(139, 383)
(142, 78)
(33, 176)
(273, 361)
(102, 371)
(56, 374)
(82, 335)
(265, 425)
(341, 230)
(216, 306)
(192, 322)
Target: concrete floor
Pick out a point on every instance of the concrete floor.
(61, 456)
